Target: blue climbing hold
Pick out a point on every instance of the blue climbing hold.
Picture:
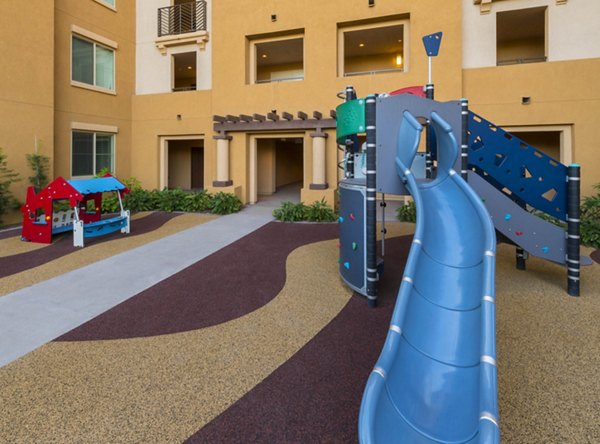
(340, 219)
(507, 216)
(545, 249)
(347, 265)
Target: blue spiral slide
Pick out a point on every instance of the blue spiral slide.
(436, 378)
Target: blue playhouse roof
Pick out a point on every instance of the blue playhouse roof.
(99, 185)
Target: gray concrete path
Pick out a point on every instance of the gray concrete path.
(35, 315)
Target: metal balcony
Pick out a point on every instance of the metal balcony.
(182, 19)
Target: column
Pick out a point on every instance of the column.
(319, 171)
(222, 161)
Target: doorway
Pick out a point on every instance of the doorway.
(276, 168)
(184, 164)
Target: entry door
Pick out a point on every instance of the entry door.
(197, 168)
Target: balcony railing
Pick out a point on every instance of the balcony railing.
(181, 19)
(520, 61)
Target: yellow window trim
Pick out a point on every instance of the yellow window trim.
(95, 37)
(107, 5)
(93, 87)
(97, 128)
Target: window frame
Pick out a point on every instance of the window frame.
(342, 28)
(95, 133)
(252, 72)
(107, 4)
(96, 41)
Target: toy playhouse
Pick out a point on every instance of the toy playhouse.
(75, 205)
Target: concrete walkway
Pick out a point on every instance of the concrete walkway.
(35, 315)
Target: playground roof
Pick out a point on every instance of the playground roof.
(98, 185)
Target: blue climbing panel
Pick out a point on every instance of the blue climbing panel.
(509, 163)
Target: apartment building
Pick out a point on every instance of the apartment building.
(237, 96)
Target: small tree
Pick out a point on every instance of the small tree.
(7, 177)
(39, 166)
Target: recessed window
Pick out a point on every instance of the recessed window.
(92, 64)
(521, 36)
(92, 152)
(277, 60)
(184, 71)
(373, 49)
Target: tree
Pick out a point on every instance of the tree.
(7, 177)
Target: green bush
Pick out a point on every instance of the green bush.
(320, 211)
(198, 202)
(171, 200)
(590, 220)
(7, 177)
(407, 212)
(290, 212)
(225, 203)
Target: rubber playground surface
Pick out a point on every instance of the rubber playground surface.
(261, 342)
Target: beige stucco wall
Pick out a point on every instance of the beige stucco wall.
(76, 104)
(155, 117)
(562, 93)
(26, 86)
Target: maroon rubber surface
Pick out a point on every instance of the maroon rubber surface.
(230, 283)
(315, 396)
(62, 244)
(596, 256)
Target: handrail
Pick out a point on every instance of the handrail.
(373, 71)
(181, 19)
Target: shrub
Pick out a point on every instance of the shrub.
(290, 212)
(320, 211)
(225, 203)
(171, 200)
(7, 177)
(139, 199)
(198, 202)
(590, 220)
(407, 212)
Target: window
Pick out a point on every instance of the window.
(92, 152)
(277, 59)
(184, 71)
(373, 49)
(92, 64)
(521, 36)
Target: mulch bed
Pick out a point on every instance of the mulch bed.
(62, 244)
(230, 283)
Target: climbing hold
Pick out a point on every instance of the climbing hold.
(507, 216)
(354, 246)
(340, 219)
(545, 250)
(347, 265)
(519, 233)
(352, 216)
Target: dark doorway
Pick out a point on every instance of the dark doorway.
(197, 168)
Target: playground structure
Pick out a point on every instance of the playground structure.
(72, 205)
(436, 378)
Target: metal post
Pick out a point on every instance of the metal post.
(573, 222)
(372, 277)
(350, 141)
(428, 154)
(464, 145)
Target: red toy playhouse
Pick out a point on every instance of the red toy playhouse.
(75, 205)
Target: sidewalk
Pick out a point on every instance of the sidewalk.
(35, 315)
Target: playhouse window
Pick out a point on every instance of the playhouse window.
(92, 63)
(372, 48)
(91, 153)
